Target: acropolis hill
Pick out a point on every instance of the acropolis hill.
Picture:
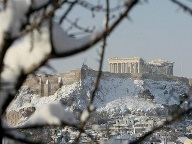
(135, 68)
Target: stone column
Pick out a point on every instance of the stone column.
(112, 70)
(130, 67)
(126, 68)
(113, 67)
(48, 88)
(110, 66)
(121, 67)
(41, 91)
(136, 67)
(139, 67)
(60, 82)
(117, 67)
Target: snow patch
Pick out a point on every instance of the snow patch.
(52, 114)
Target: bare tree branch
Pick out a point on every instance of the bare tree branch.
(129, 6)
(178, 114)
(68, 10)
(183, 6)
(96, 85)
(78, 26)
(46, 16)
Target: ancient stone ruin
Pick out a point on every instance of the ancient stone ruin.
(138, 65)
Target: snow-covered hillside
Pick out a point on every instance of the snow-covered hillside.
(115, 95)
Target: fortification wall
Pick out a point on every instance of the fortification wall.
(71, 76)
(136, 76)
(105, 75)
(161, 77)
(45, 85)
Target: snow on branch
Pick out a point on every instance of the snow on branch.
(39, 3)
(183, 6)
(64, 43)
(13, 17)
(21, 57)
(52, 114)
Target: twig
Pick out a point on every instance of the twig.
(67, 12)
(183, 6)
(92, 7)
(5, 44)
(130, 5)
(170, 120)
(99, 72)
(106, 32)
(78, 26)
(37, 25)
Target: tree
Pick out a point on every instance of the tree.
(31, 33)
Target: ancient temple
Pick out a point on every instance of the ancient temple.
(138, 65)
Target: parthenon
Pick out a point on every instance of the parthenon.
(138, 65)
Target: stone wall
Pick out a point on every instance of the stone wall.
(14, 117)
(136, 76)
(45, 85)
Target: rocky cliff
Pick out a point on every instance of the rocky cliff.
(117, 94)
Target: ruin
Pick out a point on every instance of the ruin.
(138, 65)
(46, 85)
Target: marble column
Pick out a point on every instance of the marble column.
(126, 68)
(121, 67)
(115, 67)
(130, 67)
(139, 67)
(135, 67)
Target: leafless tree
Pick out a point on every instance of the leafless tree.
(33, 30)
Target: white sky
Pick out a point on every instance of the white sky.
(159, 30)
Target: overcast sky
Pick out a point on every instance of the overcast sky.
(158, 30)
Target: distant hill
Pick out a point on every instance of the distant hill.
(117, 94)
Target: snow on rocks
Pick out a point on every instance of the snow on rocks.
(115, 95)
